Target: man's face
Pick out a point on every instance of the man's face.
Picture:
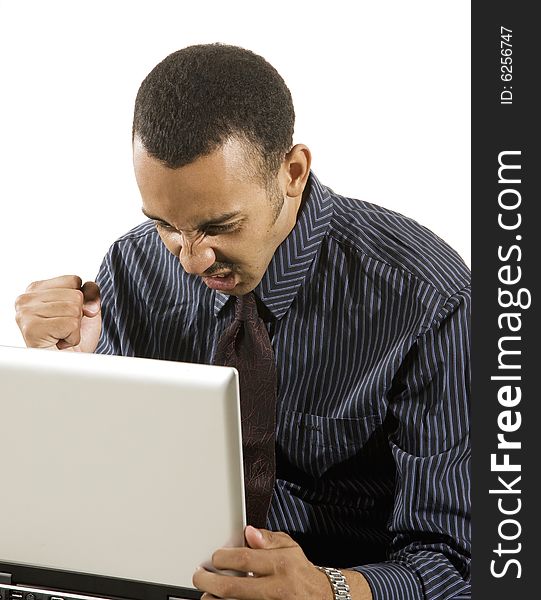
(214, 217)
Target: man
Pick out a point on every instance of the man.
(366, 310)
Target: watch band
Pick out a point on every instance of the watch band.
(338, 582)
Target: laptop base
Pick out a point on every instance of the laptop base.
(18, 582)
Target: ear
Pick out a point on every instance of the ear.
(296, 167)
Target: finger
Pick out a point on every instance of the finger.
(245, 560)
(49, 295)
(64, 281)
(54, 329)
(228, 586)
(47, 310)
(43, 333)
(265, 539)
(73, 337)
(91, 295)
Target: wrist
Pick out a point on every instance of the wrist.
(358, 585)
(338, 583)
(323, 589)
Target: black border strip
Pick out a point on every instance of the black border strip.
(505, 119)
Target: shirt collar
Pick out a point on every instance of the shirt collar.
(293, 257)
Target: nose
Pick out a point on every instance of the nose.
(197, 257)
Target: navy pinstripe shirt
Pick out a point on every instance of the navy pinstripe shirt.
(368, 317)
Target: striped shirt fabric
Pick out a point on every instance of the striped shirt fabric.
(368, 315)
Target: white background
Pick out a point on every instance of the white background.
(381, 93)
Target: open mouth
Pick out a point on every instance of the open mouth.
(223, 282)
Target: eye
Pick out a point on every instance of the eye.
(164, 226)
(219, 229)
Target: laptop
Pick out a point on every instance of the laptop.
(118, 475)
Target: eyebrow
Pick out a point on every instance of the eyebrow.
(202, 224)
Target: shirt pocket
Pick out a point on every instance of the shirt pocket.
(316, 444)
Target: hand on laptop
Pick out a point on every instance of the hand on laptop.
(60, 313)
(280, 567)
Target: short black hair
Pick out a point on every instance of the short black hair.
(198, 97)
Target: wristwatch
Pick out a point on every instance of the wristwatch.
(339, 584)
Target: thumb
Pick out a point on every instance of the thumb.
(265, 539)
(91, 302)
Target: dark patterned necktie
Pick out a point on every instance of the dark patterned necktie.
(245, 345)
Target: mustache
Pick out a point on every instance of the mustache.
(218, 268)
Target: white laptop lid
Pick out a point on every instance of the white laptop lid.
(120, 467)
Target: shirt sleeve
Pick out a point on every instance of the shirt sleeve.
(127, 328)
(109, 342)
(430, 552)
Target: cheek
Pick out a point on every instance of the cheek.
(251, 250)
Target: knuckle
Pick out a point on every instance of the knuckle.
(76, 281)
(23, 326)
(216, 558)
(243, 559)
(73, 310)
(227, 589)
(19, 313)
(280, 593)
(281, 566)
(33, 286)
(19, 302)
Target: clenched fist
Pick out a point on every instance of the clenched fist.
(61, 313)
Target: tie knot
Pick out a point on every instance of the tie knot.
(246, 308)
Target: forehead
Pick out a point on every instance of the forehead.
(224, 177)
